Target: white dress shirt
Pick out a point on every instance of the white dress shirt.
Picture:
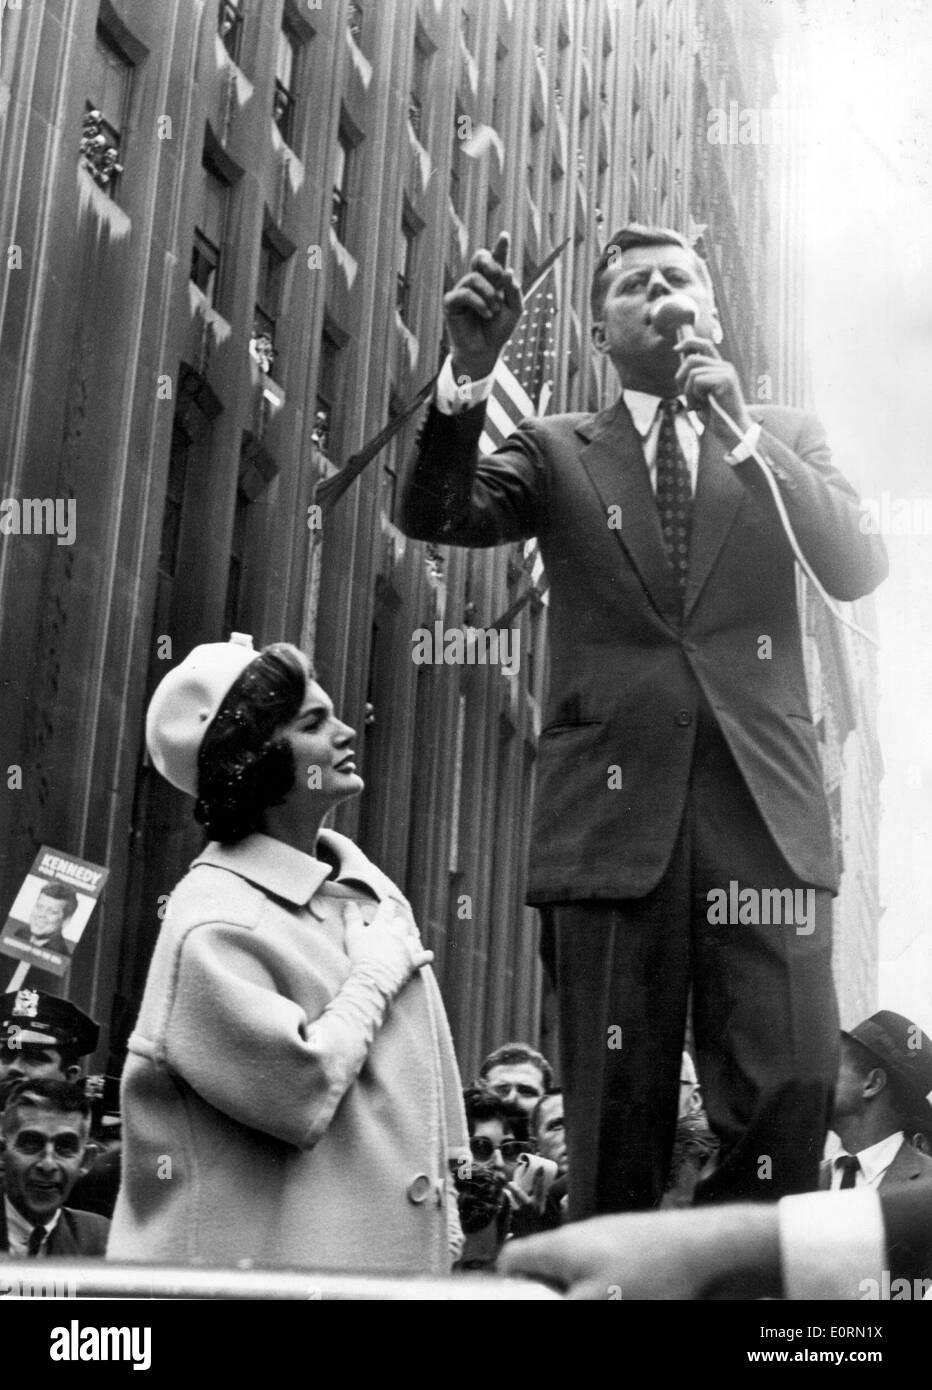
(645, 411)
(874, 1162)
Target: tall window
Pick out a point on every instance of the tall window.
(456, 162)
(390, 467)
(269, 292)
(230, 26)
(327, 384)
(419, 78)
(174, 501)
(286, 63)
(210, 232)
(405, 266)
(500, 92)
(535, 142)
(354, 20)
(235, 573)
(102, 143)
(341, 178)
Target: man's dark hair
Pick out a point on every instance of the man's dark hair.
(61, 893)
(243, 768)
(512, 1054)
(534, 1118)
(49, 1094)
(635, 234)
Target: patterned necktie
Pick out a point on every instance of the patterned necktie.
(674, 494)
(849, 1168)
(36, 1237)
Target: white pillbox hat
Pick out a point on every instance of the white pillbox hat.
(185, 702)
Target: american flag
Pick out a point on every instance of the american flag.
(523, 385)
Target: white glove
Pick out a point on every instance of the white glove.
(387, 951)
(384, 955)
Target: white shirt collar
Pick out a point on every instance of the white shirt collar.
(876, 1159)
(643, 410)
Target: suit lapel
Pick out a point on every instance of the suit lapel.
(613, 457)
(719, 494)
(614, 460)
(906, 1166)
(62, 1240)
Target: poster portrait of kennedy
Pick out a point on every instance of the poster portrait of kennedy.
(54, 906)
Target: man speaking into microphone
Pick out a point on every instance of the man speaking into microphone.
(678, 766)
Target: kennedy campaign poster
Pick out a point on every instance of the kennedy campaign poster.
(51, 910)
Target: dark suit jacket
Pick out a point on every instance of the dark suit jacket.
(77, 1233)
(908, 1166)
(56, 942)
(627, 675)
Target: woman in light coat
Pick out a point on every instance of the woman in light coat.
(291, 1096)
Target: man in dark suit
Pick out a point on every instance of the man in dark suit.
(45, 1127)
(883, 1080)
(678, 766)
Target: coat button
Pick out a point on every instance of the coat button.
(419, 1189)
(683, 718)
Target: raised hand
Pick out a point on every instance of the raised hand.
(481, 311)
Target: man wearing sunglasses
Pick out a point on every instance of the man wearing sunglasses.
(44, 1129)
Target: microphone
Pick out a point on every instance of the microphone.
(672, 315)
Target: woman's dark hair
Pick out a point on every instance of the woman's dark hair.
(480, 1104)
(243, 768)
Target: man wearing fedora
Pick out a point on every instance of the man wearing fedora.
(884, 1080)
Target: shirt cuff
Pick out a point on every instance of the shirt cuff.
(452, 397)
(832, 1244)
(747, 445)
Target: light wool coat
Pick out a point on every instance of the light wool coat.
(242, 1140)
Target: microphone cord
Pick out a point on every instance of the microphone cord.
(785, 522)
(788, 529)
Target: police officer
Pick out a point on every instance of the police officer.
(42, 1036)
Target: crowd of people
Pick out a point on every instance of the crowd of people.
(61, 1140)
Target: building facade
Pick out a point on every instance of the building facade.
(228, 230)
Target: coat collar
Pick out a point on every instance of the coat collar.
(613, 457)
(291, 874)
